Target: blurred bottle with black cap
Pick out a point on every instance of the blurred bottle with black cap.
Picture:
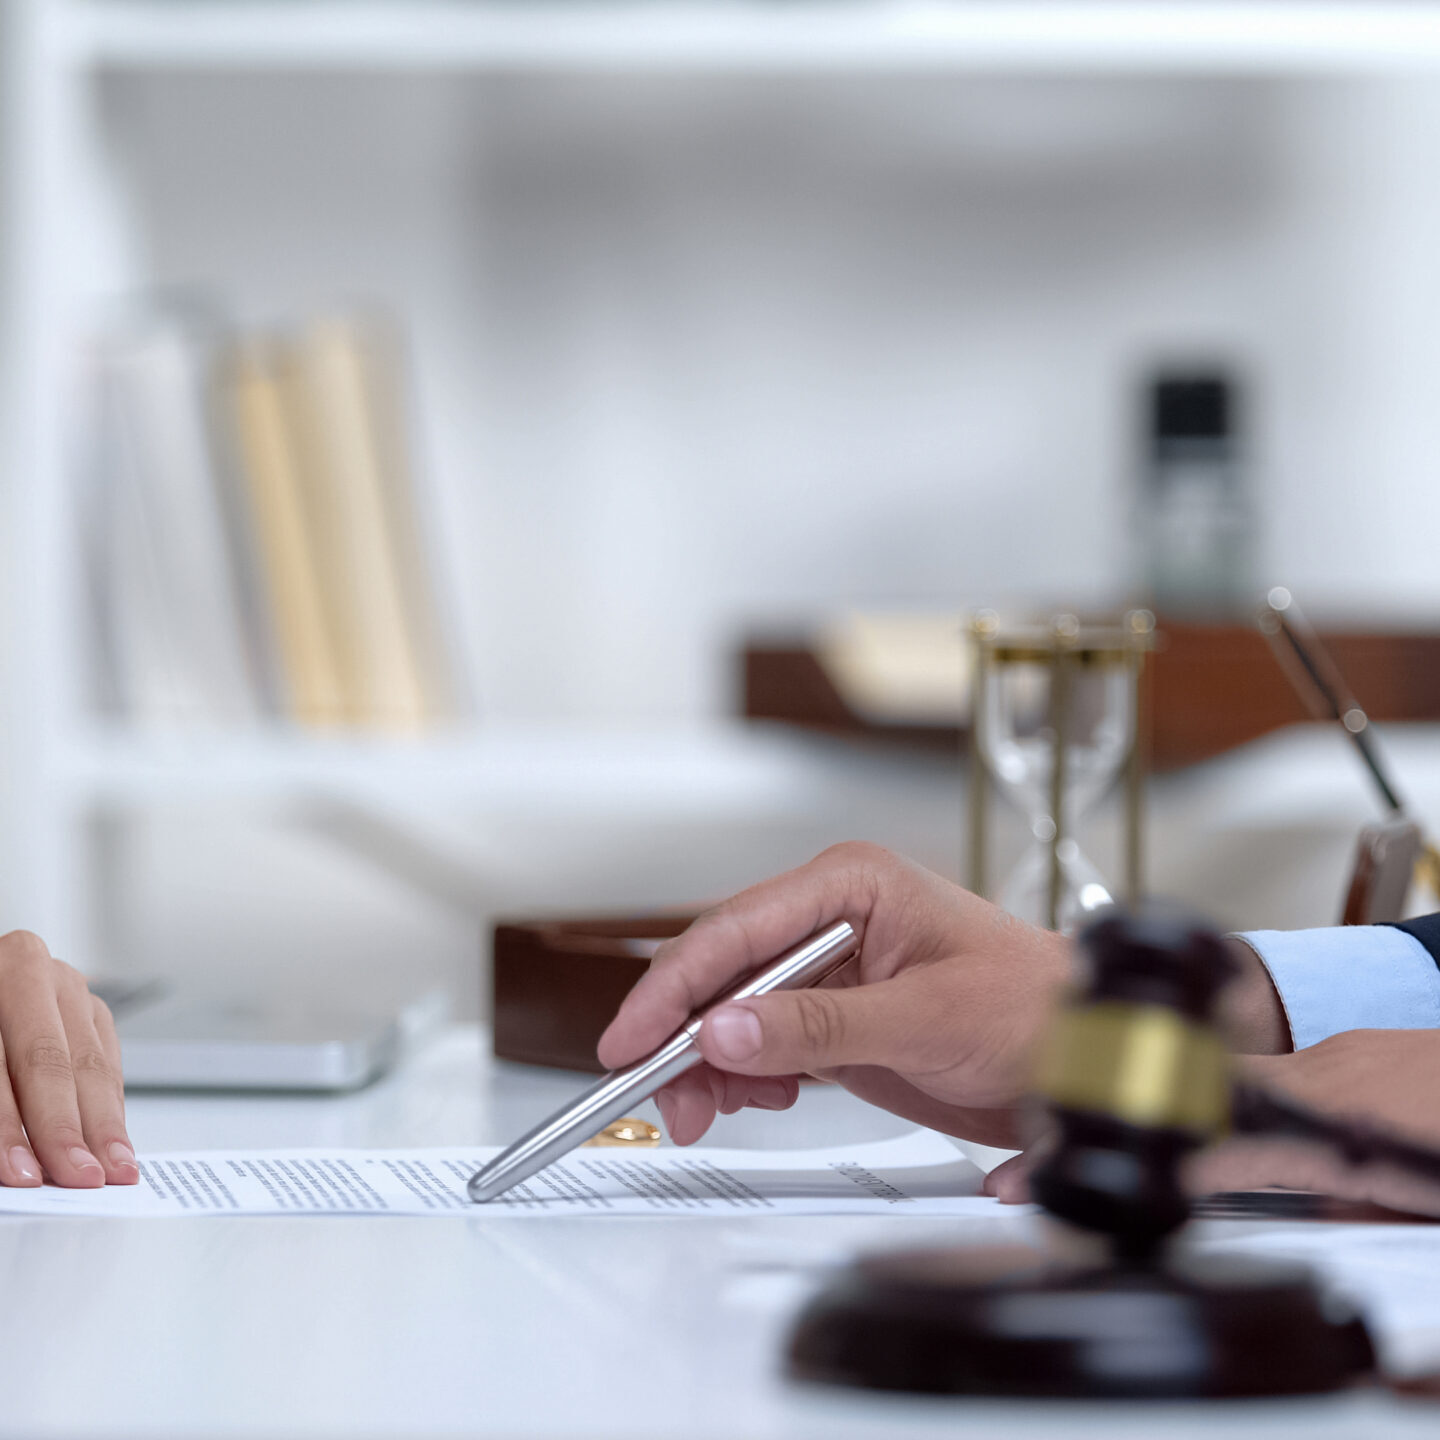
(1195, 521)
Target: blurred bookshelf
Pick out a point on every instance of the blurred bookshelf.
(65, 247)
(75, 763)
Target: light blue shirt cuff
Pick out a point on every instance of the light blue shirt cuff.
(1350, 977)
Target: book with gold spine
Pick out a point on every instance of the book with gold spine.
(276, 484)
(330, 380)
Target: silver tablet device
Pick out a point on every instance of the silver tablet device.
(174, 1040)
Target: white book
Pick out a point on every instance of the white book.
(181, 649)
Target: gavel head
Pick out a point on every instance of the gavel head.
(1135, 1076)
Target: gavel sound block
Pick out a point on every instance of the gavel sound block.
(1134, 1079)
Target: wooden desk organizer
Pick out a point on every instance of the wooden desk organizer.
(558, 983)
(1212, 687)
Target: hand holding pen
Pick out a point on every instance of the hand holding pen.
(935, 1020)
(938, 1020)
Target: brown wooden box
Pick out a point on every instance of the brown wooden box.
(558, 983)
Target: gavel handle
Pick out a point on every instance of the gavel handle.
(1255, 1111)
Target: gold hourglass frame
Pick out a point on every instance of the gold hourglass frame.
(1063, 647)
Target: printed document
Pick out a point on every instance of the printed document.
(921, 1173)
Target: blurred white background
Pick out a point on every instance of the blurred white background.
(698, 352)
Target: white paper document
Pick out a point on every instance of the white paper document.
(920, 1173)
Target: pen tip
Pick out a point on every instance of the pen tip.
(483, 1186)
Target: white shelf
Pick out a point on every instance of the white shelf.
(1243, 36)
(716, 771)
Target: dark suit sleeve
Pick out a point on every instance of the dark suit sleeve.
(1426, 929)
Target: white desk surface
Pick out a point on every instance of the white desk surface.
(439, 1327)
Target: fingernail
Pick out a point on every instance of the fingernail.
(666, 1105)
(735, 1033)
(23, 1163)
(121, 1154)
(769, 1096)
(82, 1159)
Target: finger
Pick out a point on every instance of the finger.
(758, 1092)
(732, 1093)
(18, 1165)
(1009, 1181)
(1254, 1164)
(121, 1166)
(802, 1031)
(778, 1092)
(736, 938)
(109, 1037)
(665, 1103)
(98, 1088)
(688, 1107)
(37, 1056)
(997, 1126)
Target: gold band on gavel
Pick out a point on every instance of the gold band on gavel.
(1144, 1065)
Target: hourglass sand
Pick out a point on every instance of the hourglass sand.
(1055, 724)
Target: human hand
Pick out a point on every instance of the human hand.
(936, 1020)
(62, 1103)
(1388, 1080)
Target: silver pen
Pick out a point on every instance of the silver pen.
(610, 1098)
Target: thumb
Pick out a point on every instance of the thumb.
(805, 1030)
(1009, 1181)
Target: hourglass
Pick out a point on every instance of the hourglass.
(1056, 724)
